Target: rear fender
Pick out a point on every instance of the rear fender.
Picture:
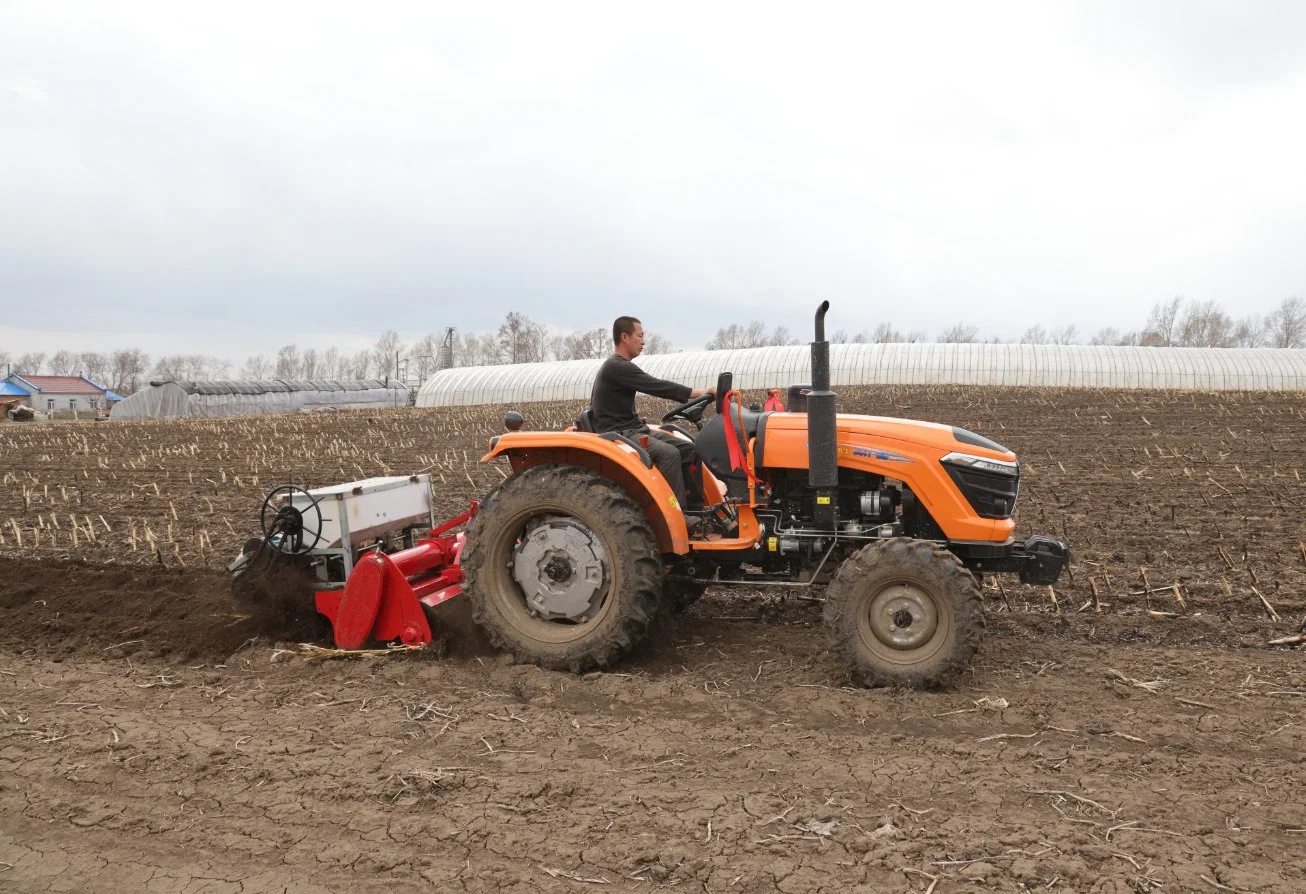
(612, 459)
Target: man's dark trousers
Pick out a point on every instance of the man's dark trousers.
(668, 455)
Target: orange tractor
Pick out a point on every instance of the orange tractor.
(569, 560)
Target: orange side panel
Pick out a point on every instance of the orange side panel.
(900, 449)
(612, 459)
(746, 537)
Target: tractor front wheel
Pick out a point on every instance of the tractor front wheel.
(562, 569)
(904, 613)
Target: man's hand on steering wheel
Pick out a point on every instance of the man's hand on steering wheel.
(693, 408)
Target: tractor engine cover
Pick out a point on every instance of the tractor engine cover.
(562, 569)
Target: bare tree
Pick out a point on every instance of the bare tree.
(62, 363)
(1286, 324)
(169, 368)
(1162, 323)
(127, 368)
(471, 349)
(592, 345)
(1064, 335)
(361, 366)
(1039, 335)
(555, 345)
(754, 335)
(520, 340)
(729, 337)
(1107, 335)
(256, 367)
(287, 363)
(386, 354)
(94, 365)
(1204, 325)
(191, 368)
(331, 363)
(653, 344)
(216, 368)
(781, 336)
(30, 364)
(311, 364)
(1035, 335)
(959, 333)
(426, 355)
(882, 334)
(1249, 332)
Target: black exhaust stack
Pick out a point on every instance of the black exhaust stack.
(822, 449)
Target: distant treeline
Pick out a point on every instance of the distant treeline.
(519, 339)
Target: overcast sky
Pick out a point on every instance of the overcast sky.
(224, 178)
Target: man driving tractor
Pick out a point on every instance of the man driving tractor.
(613, 403)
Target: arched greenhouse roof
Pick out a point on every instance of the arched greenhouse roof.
(1074, 366)
(173, 400)
(272, 386)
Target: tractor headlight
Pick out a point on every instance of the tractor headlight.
(996, 466)
(991, 486)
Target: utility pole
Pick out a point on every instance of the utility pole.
(446, 349)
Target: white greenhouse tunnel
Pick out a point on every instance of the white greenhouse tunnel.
(1074, 366)
(188, 400)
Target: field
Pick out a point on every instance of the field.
(156, 737)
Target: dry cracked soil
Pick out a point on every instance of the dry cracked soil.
(156, 736)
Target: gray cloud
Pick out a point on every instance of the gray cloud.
(231, 179)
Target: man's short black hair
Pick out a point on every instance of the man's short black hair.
(622, 326)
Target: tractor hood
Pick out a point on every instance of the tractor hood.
(941, 438)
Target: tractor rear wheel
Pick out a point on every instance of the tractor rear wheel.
(904, 613)
(562, 569)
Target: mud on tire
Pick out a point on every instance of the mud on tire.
(904, 613)
(632, 586)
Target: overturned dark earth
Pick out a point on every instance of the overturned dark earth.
(155, 735)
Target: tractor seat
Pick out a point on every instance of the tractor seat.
(585, 421)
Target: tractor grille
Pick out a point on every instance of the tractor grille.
(989, 494)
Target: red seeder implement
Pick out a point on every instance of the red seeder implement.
(372, 570)
(384, 594)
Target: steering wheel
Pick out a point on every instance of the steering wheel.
(691, 409)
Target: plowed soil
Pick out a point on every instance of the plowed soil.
(157, 736)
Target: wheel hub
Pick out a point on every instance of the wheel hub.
(561, 568)
(558, 569)
(903, 616)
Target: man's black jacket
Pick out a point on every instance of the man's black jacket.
(613, 399)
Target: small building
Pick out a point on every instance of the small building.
(59, 394)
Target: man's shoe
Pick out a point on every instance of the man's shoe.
(720, 519)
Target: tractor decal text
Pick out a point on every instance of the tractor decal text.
(882, 455)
